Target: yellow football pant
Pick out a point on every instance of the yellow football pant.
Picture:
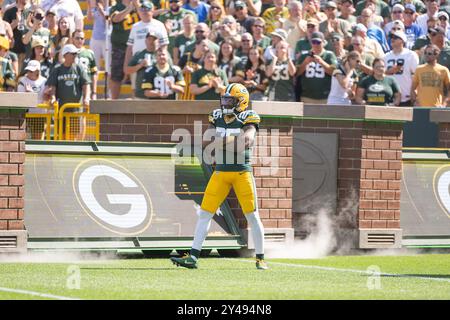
(219, 186)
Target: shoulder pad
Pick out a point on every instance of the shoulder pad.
(249, 116)
(214, 115)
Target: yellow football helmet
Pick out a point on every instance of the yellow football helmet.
(235, 99)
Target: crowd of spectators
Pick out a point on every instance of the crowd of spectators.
(392, 52)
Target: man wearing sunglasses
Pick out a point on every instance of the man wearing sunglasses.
(173, 20)
(86, 59)
(412, 30)
(201, 33)
(401, 63)
(431, 81)
(422, 41)
(432, 10)
(68, 82)
(315, 69)
(438, 38)
(242, 16)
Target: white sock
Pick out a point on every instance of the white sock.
(257, 230)
(201, 230)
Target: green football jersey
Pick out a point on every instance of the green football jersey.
(7, 76)
(86, 59)
(202, 76)
(281, 83)
(303, 46)
(228, 160)
(316, 83)
(121, 30)
(182, 42)
(155, 78)
(135, 60)
(176, 20)
(264, 42)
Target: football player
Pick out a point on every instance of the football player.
(235, 129)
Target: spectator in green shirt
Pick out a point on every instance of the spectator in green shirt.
(86, 59)
(36, 31)
(123, 16)
(69, 82)
(316, 68)
(142, 61)
(210, 81)
(378, 89)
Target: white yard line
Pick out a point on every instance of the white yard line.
(38, 294)
(371, 273)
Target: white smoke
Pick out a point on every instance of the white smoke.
(327, 233)
(56, 257)
(319, 243)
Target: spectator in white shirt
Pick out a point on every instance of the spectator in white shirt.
(70, 9)
(401, 64)
(432, 11)
(139, 31)
(32, 81)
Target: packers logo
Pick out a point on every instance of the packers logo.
(441, 185)
(112, 196)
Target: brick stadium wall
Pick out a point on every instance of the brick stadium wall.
(274, 187)
(369, 163)
(12, 157)
(444, 135)
(13, 106)
(441, 116)
(369, 160)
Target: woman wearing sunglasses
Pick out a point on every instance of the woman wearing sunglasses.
(343, 82)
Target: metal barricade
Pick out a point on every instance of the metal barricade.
(39, 125)
(79, 126)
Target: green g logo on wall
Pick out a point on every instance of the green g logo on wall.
(112, 196)
(441, 185)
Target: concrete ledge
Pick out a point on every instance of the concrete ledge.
(272, 236)
(358, 112)
(17, 100)
(440, 115)
(13, 241)
(264, 108)
(380, 238)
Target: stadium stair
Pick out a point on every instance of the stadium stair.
(126, 90)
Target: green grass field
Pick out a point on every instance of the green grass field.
(343, 277)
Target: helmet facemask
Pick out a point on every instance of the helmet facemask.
(228, 104)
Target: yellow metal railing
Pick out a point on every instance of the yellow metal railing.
(81, 126)
(39, 125)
